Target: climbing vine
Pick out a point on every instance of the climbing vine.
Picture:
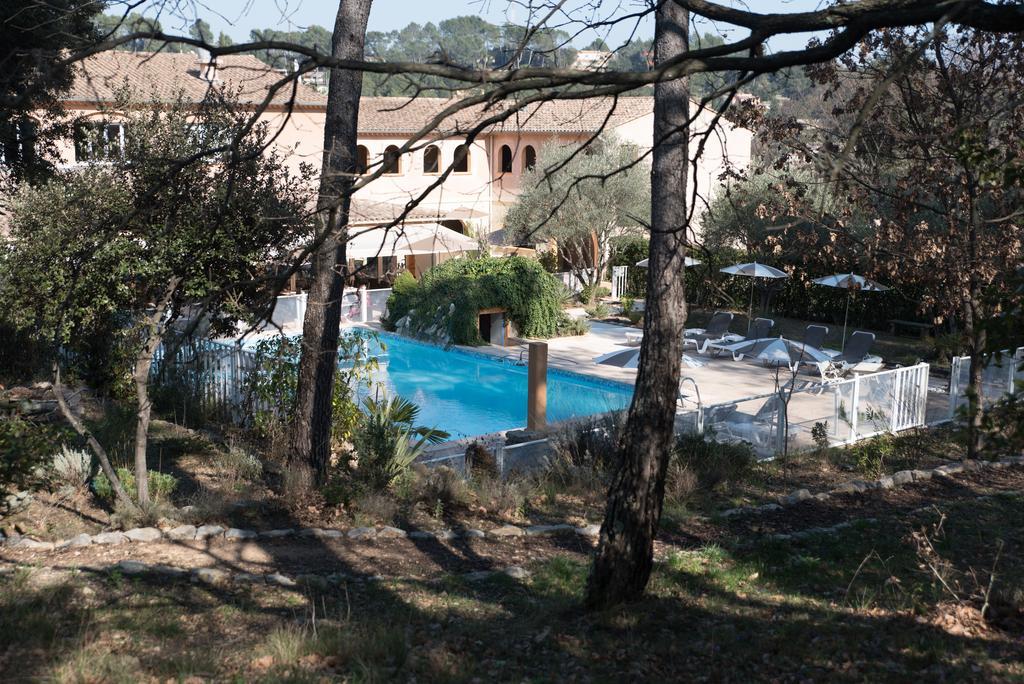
(449, 297)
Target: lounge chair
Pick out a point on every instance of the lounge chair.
(717, 331)
(760, 430)
(814, 336)
(760, 330)
(855, 354)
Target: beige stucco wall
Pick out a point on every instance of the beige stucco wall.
(484, 189)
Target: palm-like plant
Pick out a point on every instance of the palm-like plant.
(388, 441)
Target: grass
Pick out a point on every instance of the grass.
(851, 605)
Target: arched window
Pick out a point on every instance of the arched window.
(362, 159)
(461, 159)
(506, 159)
(392, 160)
(432, 159)
(529, 158)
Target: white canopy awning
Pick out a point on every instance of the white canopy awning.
(413, 238)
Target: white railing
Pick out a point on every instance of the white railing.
(999, 378)
(840, 413)
(290, 310)
(619, 281)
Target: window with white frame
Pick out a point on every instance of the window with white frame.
(99, 140)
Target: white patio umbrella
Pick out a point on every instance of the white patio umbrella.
(753, 270)
(630, 358)
(849, 282)
(689, 262)
(777, 351)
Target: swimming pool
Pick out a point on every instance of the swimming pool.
(467, 394)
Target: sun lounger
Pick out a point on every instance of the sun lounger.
(854, 358)
(727, 424)
(717, 331)
(760, 330)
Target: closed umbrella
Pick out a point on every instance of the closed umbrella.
(753, 270)
(849, 282)
(689, 262)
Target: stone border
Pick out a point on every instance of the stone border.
(209, 532)
(898, 479)
(219, 577)
(591, 531)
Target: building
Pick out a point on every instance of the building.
(487, 172)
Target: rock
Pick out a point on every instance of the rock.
(440, 535)
(112, 538)
(516, 572)
(797, 496)
(903, 477)
(822, 496)
(237, 534)
(920, 475)
(280, 580)
(506, 531)
(182, 533)
(211, 576)
(276, 534)
(769, 507)
(209, 531)
(886, 482)
(592, 530)
(473, 534)
(168, 570)
(949, 469)
(312, 581)
(248, 578)
(362, 533)
(536, 530)
(997, 464)
(478, 575)
(144, 534)
(971, 464)
(130, 567)
(77, 541)
(730, 512)
(34, 544)
(845, 488)
(388, 532)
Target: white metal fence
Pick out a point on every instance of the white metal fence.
(835, 413)
(619, 281)
(1000, 377)
(290, 310)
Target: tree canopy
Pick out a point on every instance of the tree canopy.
(581, 201)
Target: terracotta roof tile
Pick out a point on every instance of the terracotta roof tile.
(403, 115)
(162, 75)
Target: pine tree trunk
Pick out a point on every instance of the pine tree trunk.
(311, 431)
(624, 559)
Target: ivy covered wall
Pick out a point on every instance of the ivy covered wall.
(447, 299)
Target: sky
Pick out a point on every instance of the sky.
(238, 17)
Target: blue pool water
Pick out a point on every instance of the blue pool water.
(468, 394)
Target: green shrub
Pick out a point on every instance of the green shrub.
(597, 292)
(573, 326)
(713, 464)
(599, 311)
(275, 384)
(387, 442)
(25, 446)
(531, 296)
(161, 485)
(870, 456)
(586, 451)
(627, 305)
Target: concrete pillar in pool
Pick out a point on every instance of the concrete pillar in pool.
(537, 388)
